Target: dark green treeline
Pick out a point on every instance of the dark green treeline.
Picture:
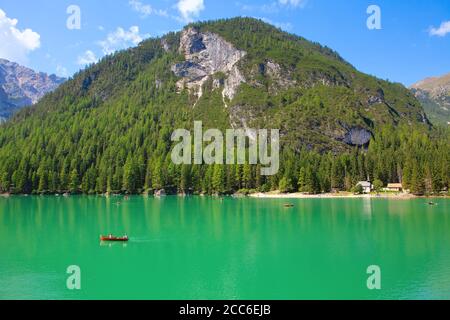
(402, 154)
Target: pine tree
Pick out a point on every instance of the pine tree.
(196, 179)
(185, 179)
(311, 182)
(302, 180)
(259, 179)
(218, 180)
(207, 181)
(230, 179)
(286, 185)
(417, 185)
(148, 177)
(337, 181)
(247, 176)
(74, 181)
(407, 175)
(43, 175)
(129, 176)
(157, 175)
(19, 178)
(238, 176)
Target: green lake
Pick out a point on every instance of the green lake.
(208, 248)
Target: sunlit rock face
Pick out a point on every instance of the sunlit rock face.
(207, 54)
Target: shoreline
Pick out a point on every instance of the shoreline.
(264, 195)
(341, 195)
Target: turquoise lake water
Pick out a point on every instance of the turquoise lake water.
(207, 248)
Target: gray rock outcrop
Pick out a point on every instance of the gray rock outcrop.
(357, 136)
(207, 54)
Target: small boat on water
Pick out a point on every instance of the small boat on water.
(288, 205)
(112, 238)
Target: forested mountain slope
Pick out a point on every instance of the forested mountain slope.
(108, 129)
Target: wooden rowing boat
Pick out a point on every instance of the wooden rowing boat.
(114, 239)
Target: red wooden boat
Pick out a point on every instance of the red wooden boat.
(114, 239)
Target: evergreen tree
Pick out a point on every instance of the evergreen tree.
(286, 185)
(185, 179)
(74, 181)
(417, 185)
(311, 182)
(302, 180)
(218, 180)
(247, 176)
(130, 176)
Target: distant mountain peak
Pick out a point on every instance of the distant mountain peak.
(434, 94)
(21, 86)
(432, 82)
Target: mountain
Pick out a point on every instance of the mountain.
(434, 94)
(109, 128)
(21, 86)
(283, 81)
(245, 73)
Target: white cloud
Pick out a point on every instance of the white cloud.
(442, 30)
(87, 58)
(122, 39)
(190, 9)
(145, 9)
(293, 3)
(273, 6)
(16, 43)
(286, 26)
(117, 40)
(61, 71)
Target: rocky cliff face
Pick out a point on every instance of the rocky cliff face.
(21, 86)
(434, 94)
(207, 55)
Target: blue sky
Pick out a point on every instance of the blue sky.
(413, 42)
